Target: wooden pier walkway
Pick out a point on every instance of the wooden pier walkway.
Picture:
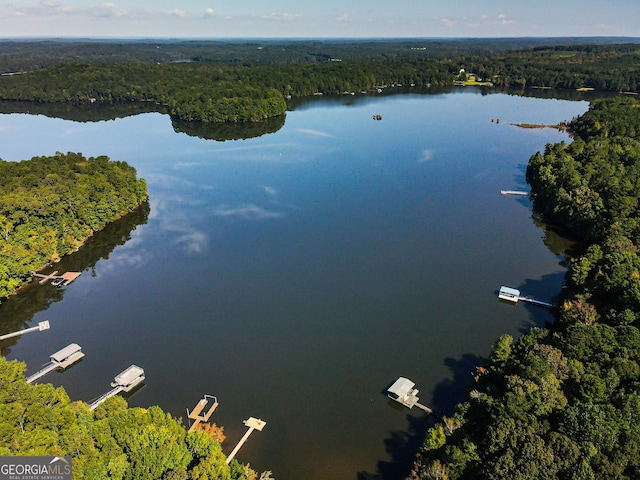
(195, 413)
(46, 278)
(38, 328)
(253, 424)
(423, 407)
(65, 278)
(49, 367)
(514, 192)
(104, 396)
(537, 302)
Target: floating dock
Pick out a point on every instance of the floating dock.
(64, 279)
(253, 424)
(123, 382)
(512, 295)
(60, 360)
(514, 192)
(195, 414)
(402, 391)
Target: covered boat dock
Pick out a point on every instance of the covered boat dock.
(60, 360)
(402, 391)
(125, 381)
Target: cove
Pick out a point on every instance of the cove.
(296, 273)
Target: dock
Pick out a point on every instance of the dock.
(195, 414)
(64, 279)
(537, 302)
(38, 328)
(514, 192)
(253, 424)
(59, 361)
(402, 391)
(125, 381)
(513, 295)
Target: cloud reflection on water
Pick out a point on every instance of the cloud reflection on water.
(246, 212)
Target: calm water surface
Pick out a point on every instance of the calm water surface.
(297, 274)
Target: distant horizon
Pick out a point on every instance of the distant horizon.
(214, 19)
(284, 38)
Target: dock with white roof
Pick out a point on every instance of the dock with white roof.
(125, 381)
(402, 391)
(60, 360)
(512, 295)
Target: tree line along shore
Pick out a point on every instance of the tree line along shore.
(217, 89)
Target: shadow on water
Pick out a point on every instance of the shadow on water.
(17, 311)
(540, 316)
(402, 446)
(559, 240)
(103, 112)
(84, 113)
(448, 393)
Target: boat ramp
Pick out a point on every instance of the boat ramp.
(123, 382)
(512, 295)
(402, 391)
(59, 361)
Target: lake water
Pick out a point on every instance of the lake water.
(295, 275)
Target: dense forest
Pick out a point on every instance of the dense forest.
(564, 402)
(231, 91)
(50, 205)
(112, 442)
(26, 55)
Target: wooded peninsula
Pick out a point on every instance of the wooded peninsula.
(557, 403)
(49, 206)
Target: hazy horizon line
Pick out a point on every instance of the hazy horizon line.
(297, 38)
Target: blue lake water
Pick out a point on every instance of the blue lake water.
(297, 274)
